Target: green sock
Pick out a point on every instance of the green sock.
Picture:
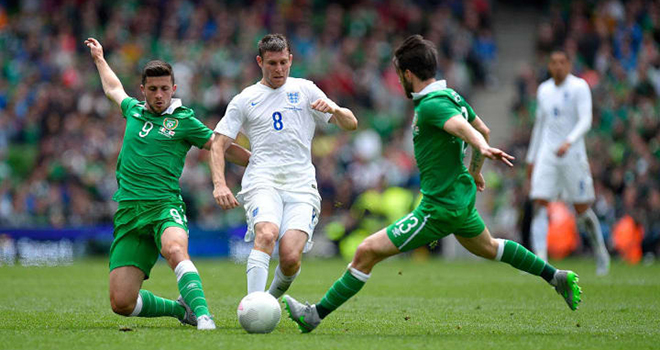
(190, 286)
(343, 289)
(519, 257)
(155, 306)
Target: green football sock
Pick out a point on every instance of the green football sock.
(519, 257)
(343, 289)
(155, 306)
(190, 287)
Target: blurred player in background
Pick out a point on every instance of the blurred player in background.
(557, 156)
(443, 125)
(279, 191)
(151, 215)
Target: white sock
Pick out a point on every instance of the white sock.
(540, 233)
(590, 220)
(281, 282)
(138, 307)
(257, 271)
(361, 276)
(500, 248)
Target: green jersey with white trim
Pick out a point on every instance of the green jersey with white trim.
(439, 154)
(154, 150)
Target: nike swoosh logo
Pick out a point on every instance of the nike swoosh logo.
(253, 103)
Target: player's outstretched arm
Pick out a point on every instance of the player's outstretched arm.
(478, 159)
(238, 155)
(221, 192)
(342, 117)
(459, 127)
(235, 153)
(111, 85)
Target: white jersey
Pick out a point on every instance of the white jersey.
(280, 125)
(563, 113)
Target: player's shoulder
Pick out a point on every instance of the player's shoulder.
(248, 93)
(545, 85)
(577, 82)
(300, 83)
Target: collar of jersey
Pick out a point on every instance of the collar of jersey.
(434, 86)
(176, 103)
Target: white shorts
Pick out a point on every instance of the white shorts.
(288, 210)
(568, 176)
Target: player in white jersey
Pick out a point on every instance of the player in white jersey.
(557, 156)
(279, 192)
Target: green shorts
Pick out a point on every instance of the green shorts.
(138, 227)
(431, 221)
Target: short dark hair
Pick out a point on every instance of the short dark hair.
(417, 55)
(157, 68)
(273, 43)
(559, 50)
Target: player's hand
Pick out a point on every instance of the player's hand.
(95, 48)
(224, 197)
(563, 149)
(498, 154)
(479, 181)
(325, 105)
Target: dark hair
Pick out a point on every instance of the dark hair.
(273, 43)
(417, 55)
(560, 50)
(157, 68)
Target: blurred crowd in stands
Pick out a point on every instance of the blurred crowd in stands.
(614, 46)
(60, 136)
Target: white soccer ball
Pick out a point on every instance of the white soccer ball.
(259, 312)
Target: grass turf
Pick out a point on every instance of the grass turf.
(405, 305)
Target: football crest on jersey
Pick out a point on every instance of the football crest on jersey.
(170, 123)
(293, 97)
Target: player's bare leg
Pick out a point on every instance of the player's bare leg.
(127, 299)
(266, 234)
(512, 253)
(291, 248)
(174, 247)
(124, 287)
(588, 218)
(372, 250)
(539, 229)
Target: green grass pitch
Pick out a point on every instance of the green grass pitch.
(406, 305)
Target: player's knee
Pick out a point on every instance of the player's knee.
(266, 237)
(290, 263)
(174, 252)
(366, 250)
(122, 303)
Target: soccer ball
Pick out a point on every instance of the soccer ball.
(259, 312)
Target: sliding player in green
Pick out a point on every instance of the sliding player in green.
(443, 125)
(151, 215)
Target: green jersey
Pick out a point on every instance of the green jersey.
(154, 150)
(444, 178)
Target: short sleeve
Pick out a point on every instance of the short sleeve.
(437, 110)
(470, 113)
(314, 94)
(127, 106)
(197, 134)
(233, 120)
